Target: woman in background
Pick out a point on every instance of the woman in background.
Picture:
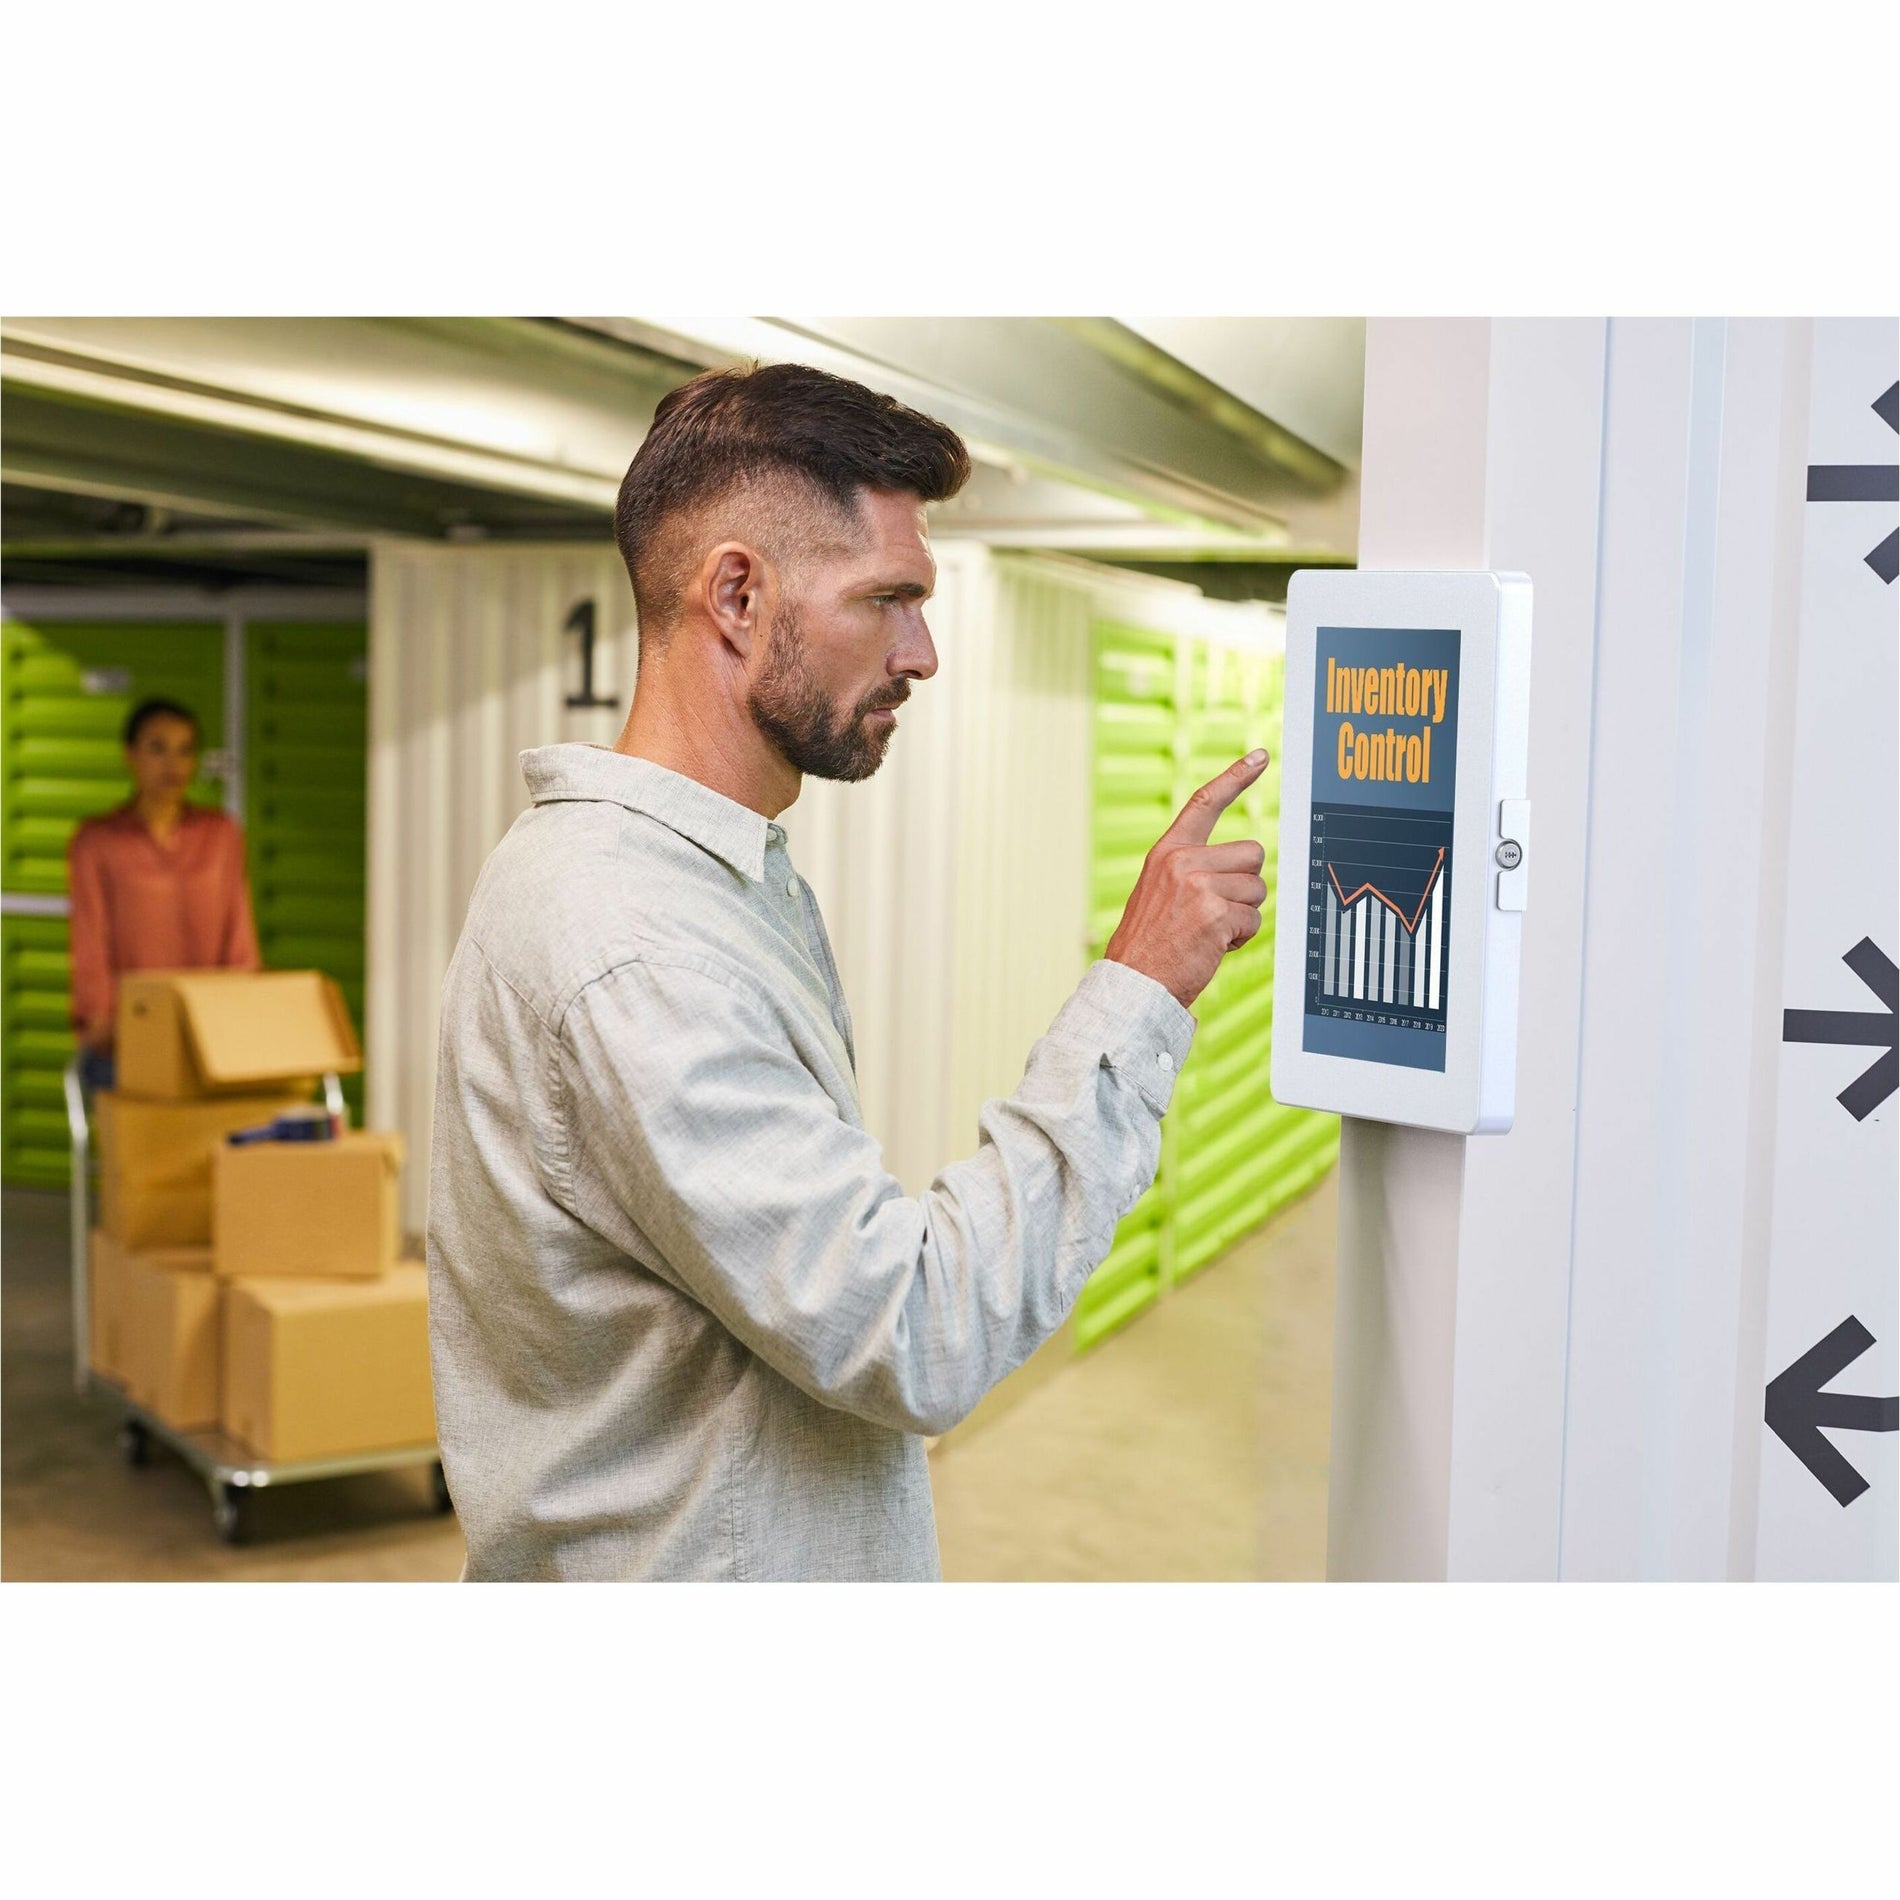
(158, 884)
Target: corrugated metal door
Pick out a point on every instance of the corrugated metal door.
(1171, 711)
(66, 690)
(475, 655)
(305, 803)
(1021, 658)
(1137, 773)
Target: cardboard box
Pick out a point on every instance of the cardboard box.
(155, 1162)
(324, 1368)
(185, 1035)
(108, 1273)
(172, 1340)
(105, 1305)
(308, 1209)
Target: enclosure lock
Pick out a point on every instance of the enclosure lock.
(1512, 851)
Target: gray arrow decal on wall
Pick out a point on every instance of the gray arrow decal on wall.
(1866, 481)
(1853, 481)
(1798, 1410)
(1866, 1027)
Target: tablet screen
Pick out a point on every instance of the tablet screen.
(1379, 871)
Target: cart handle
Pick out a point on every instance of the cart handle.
(80, 1219)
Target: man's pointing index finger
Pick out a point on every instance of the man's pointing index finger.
(1199, 816)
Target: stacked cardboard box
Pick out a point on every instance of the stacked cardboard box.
(321, 1368)
(256, 1287)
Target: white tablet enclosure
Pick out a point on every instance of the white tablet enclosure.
(1404, 799)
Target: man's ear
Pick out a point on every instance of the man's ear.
(731, 582)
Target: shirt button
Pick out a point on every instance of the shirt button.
(791, 887)
(1163, 1060)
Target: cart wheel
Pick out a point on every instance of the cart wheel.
(439, 1485)
(135, 1442)
(229, 1514)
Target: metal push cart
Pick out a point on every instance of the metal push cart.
(232, 1473)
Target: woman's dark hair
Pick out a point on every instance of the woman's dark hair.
(784, 423)
(147, 710)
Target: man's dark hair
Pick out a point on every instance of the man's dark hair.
(147, 710)
(782, 425)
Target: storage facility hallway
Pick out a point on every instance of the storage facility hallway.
(350, 571)
(287, 603)
(1189, 1445)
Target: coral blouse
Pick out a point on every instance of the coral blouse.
(141, 905)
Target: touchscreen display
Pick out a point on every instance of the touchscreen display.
(1379, 869)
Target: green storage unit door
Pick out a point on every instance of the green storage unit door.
(1171, 712)
(66, 688)
(1138, 690)
(306, 801)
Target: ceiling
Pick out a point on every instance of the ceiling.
(226, 450)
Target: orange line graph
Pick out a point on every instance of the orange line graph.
(1411, 922)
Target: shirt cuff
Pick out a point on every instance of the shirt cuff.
(1135, 1025)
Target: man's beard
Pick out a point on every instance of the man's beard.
(791, 709)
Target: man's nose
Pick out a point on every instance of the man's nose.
(916, 655)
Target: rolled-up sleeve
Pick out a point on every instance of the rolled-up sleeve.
(691, 1120)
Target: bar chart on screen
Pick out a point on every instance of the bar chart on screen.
(1378, 910)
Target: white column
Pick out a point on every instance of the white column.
(1662, 442)
(1482, 449)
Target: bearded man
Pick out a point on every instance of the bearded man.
(684, 1322)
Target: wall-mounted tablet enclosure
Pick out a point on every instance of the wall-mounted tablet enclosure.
(1404, 798)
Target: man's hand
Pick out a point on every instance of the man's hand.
(1194, 901)
(96, 1033)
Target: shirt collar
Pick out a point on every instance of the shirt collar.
(730, 831)
(127, 816)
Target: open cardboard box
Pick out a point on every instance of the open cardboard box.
(186, 1035)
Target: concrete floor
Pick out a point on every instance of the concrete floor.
(1192, 1445)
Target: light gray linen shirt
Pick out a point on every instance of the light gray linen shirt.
(683, 1321)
